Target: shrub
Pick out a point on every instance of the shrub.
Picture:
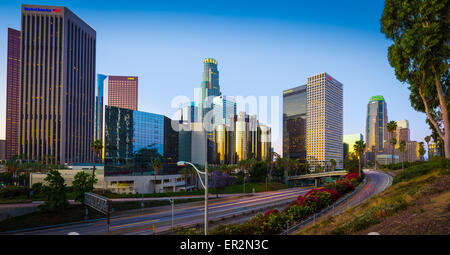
(298, 212)
(416, 170)
(11, 191)
(37, 188)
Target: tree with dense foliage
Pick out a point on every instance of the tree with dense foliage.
(359, 147)
(96, 147)
(391, 126)
(185, 171)
(419, 30)
(333, 164)
(82, 183)
(54, 191)
(220, 180)
(258, 172)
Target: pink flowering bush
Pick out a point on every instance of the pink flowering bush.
(273, 221)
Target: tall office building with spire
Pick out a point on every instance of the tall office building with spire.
(57, 85)
(210, 87)
(377, 141)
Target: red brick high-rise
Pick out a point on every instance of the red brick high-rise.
(12, 93)
(123, 92)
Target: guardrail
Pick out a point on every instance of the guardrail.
(230, 216)
(317, 175)
(337, 203)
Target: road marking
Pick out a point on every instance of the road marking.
(136, 223)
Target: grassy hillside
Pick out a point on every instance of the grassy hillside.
(418, 202)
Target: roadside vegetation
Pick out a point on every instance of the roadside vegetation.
(275, 221)
(421, 188)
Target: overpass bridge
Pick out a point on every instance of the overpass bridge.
(316, 176)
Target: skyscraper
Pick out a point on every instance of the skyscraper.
(294, 123)
(134, 138)
(189, 113)
(266, 144)
(12, 93)
(224, 107)
(324, 121)
(123, 92)
(57, 97)
(210, 85)
(377, 140)
(98, 118)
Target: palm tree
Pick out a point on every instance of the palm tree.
(427, 140)
(333, 164)
(393, 143)
(421, 150)
(156, 166)
(97, 147)
(391, 127)
(185, 172)
(402, 150)
(359, 147)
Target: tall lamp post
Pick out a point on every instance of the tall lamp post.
(205, 186)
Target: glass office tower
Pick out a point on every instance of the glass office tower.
(294, 123)
(224, 107)
(377, 141)
(99, 102)
(57, 85)
(12, 93)
(133, 139)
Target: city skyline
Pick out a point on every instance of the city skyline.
(246, 68)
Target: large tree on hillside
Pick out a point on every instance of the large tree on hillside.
(420, 56)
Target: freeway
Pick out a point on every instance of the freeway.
(188, 214)
(141, 222)
(376, 182)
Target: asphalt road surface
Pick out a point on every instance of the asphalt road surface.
(142, 221)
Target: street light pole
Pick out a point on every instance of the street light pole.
(205, 186)
(206, 198)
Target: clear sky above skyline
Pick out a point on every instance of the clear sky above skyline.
(262, 48)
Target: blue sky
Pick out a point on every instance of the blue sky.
(262, 48)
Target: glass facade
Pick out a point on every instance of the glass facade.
(133, 139)
(224, 108)
(99, 102)
(377, 141)
(210, 84)
(294, 123)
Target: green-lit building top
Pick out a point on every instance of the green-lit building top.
(376, 98)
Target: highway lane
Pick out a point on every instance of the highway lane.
(141, 221)
(377, 182)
